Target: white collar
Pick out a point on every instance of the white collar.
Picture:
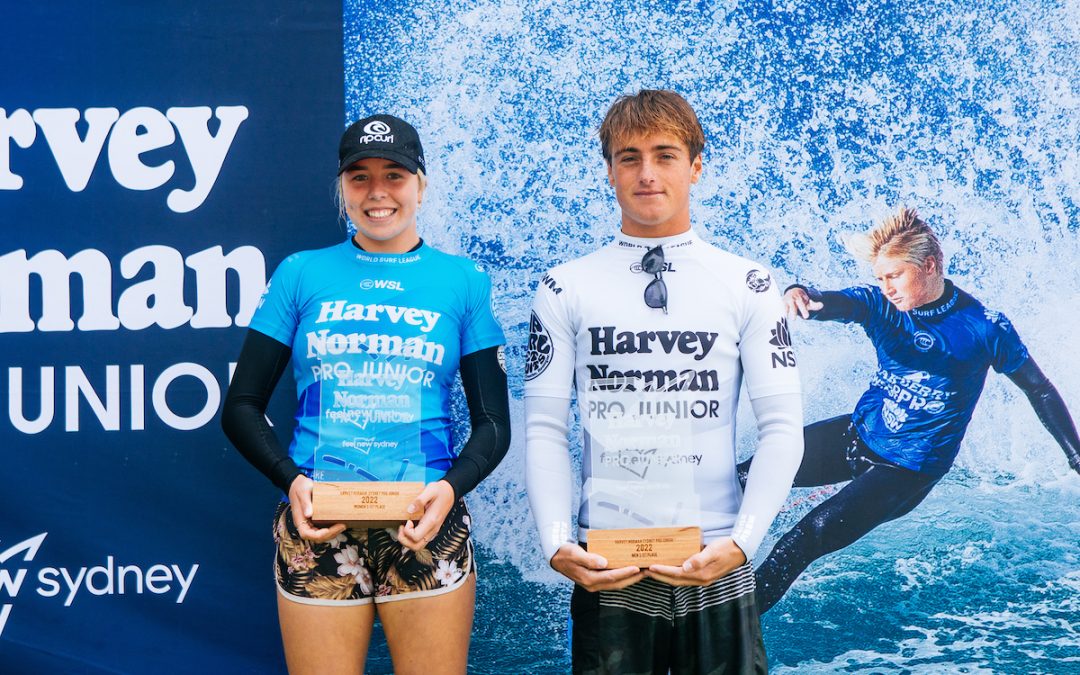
(625, 241)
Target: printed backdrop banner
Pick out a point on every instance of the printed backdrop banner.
(821, 118)
(157, 160)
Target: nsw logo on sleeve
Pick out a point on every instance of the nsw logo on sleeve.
(541, 348)
(781, 339)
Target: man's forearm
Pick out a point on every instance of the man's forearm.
(836, 305)
(779, 453)
(549, 477)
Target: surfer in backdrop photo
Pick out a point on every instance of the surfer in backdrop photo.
(935, 344)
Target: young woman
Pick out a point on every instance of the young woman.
(383, 294)
(935, 344)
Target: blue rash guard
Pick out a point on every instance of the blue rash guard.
(932, 364)
(425, 308)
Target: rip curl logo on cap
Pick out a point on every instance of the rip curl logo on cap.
(541, 348)
(923, 341)
(758, 281)
(377, 128)
(375, 131)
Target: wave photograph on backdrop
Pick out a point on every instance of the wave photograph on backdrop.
(820, 120)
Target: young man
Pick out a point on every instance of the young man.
(660, 310)
(935, 344)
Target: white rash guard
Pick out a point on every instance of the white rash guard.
(724, 321)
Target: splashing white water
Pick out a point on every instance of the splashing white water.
(819, 120)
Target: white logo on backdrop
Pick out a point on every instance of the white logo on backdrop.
(110, 578)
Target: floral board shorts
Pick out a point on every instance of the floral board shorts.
(360, 566)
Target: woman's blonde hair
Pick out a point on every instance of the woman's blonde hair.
(341, 200)
(903, 235)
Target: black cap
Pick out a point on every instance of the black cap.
(382, 136)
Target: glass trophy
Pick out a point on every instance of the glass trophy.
(369, 463)
(642, 505)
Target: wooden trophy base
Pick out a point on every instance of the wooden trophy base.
(644, 546)
(364, 504)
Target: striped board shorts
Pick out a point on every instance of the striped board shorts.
(652, 627)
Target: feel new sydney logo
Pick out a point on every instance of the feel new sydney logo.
(68, 585)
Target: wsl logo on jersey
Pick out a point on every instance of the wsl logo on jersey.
(666, 267)
(380, 284)
(781, 339)
(541, 348)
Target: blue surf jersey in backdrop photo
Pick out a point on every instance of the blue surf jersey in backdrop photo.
(932, 364)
